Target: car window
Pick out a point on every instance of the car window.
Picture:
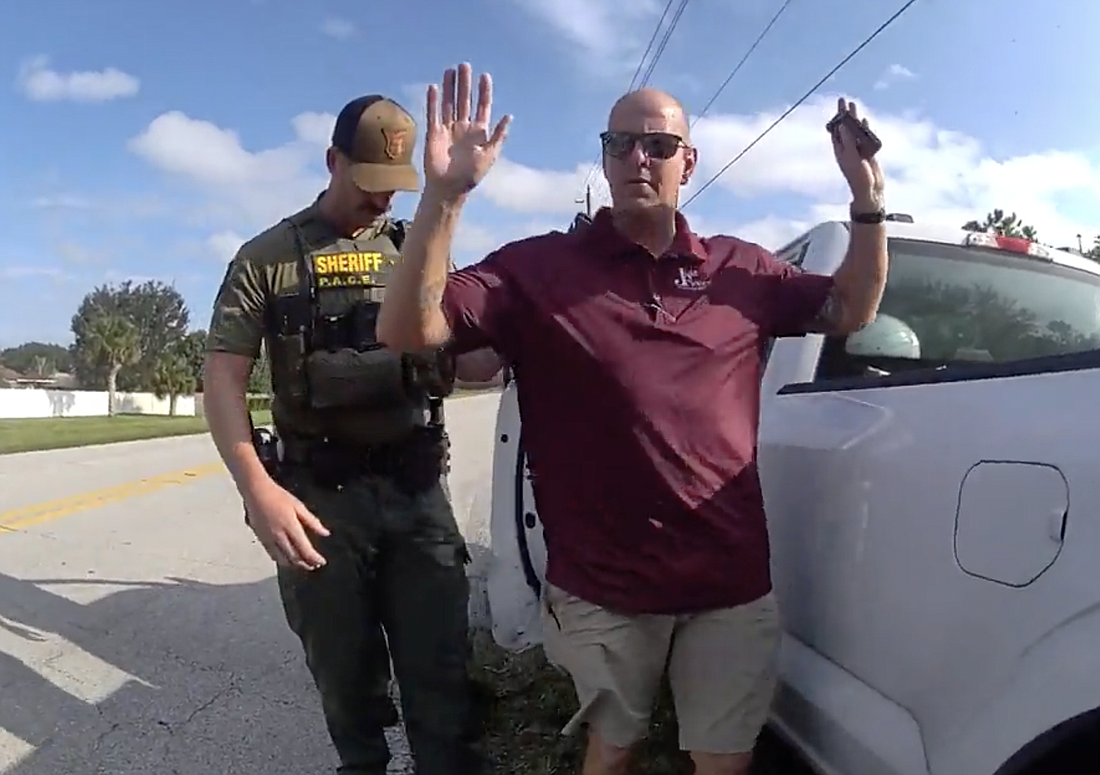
(946, 305)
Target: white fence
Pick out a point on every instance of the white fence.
(19, 402)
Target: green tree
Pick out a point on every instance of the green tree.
(1003, 225)
(114, 341)
(37, 359)
(160, 315)
(173, 376)
(193, 348)
(259, 381)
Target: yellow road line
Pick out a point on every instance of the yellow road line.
(26, 516)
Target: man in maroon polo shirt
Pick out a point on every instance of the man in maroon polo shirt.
(640, 348)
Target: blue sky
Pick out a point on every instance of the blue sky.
(189, 127)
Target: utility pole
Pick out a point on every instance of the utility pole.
(586, 201)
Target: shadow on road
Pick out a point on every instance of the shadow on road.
(178, 676)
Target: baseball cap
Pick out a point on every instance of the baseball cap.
(378, 136)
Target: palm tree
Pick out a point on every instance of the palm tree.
(998, 223)
(1094, 251)
(42, 367)
(173, 376)
(116, 341)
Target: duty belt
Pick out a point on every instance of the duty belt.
(414, 464)
(344, 461)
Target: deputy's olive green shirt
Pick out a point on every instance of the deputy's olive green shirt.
(264, 268)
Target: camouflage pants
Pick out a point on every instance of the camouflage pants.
(395, 563)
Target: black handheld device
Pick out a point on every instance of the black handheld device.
(867, 142)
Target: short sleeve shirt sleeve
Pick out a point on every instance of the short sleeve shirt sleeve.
(478, 302)
(237, 322)
(797, 296)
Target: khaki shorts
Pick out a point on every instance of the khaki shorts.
(721, 666)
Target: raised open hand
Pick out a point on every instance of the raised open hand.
(459, 149)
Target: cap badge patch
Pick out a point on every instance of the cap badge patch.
(395, 142)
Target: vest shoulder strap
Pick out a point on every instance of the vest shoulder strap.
(398, 229)
(290, 313)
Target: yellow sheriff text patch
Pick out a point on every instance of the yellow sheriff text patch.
(348, 270)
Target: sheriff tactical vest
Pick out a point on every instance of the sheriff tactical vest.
(327, 364)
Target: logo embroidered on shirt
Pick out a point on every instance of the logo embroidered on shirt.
(689, 279)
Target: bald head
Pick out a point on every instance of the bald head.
(638, 111)
(647, 154)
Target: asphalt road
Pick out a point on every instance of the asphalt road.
(140, 628)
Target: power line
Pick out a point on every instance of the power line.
(634, 82)
(741, 64)
(664, 41)
(804, 97)
(649, 47)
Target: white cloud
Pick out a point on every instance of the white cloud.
(521, 189)
(894, 74)
(474, 241)
(314, 128)
(934, 173)
(341, 29)
(224, 244)
(770, 231)
(62, 202)
(75, 253)
(606, 36)
(245, 188)
(42, 84)
(101, 206)
(28, 272)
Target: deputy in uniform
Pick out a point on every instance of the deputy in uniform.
(354, 509)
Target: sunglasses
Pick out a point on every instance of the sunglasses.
(655, 145)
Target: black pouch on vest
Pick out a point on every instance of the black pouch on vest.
(423, 461)
(347, 378)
